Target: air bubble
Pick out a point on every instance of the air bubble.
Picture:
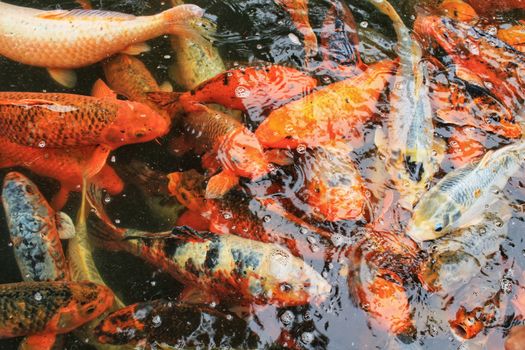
(42, 144)
(38, 296)
(303, 230)
(227, 215)
(117, 221)
(301, 149)
(363, 24)
(294, 39)
(267, 218)
(157, 321)
(242, 92)
(307, 337)
(287, 317)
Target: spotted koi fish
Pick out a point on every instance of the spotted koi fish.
(224, 265)
(167, 323)
(44, 308)
(34, 228)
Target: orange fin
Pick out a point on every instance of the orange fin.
(194, 295)
(166, 87)
(81, 13)
(38, 342)
(96, 161)
(136, 49)
(166, 100)
(101, 90)
(280, 157)
(65, 77)
(85, 4)
(469, 76)
(220, 184)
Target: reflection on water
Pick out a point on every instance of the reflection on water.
(338, 207)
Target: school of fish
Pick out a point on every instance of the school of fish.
(372, 185)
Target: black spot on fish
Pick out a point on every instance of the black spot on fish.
(191, 268)
(415, 170)
(171, 246)
(212, 255)
(245, 260)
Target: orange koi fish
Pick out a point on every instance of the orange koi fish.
(65, 120)
(253, 90)
(128, 76)
(231, 148)
(61, 40)
(514, 36)
(171, 323)
(465, 146)
(44, 309)
(335, 112)
(68, 166)
(35, 230)
(459, 10)
(480, 58)
(516, 338)
(227, 265)
(333, 187)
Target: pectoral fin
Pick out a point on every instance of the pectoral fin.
(64, 77)
(101, 90)
(220, 184)
(38, 342)
(166, 87)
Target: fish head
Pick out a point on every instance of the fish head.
(467, 325)
(135, 123)
(123, 326)
(88, 301)
(189, 188)
(241, 153)
(108, 179)
(433, 217)
(459, 10)
(291, 281)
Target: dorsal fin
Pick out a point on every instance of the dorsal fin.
(88, 14)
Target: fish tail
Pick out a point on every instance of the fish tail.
(180, 19)
(100, 226)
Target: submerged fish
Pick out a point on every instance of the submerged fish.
(335, 112)
(458, 257)
(61, 40)
(463, 194)
(480, 57)
(68, 166)
(253, 90)
(59, 120)
(165, 323)
(333, 186)
(227, 266)
(42, 308)
(34, 229)
(410, 143)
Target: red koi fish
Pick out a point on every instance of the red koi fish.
(480, 58)
(251, 89)
(488, 7)
(336, 112)
(64, 120)
(68, 166)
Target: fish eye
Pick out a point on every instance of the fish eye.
(139, 134)
(90, 310)
(438, 227)
(285, 287)
(29, 189)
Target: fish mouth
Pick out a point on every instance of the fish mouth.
(421, 234)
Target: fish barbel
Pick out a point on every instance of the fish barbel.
(462, 195)
(57, 120)
(28, 308)
(65, 39)
(410, 130)
(34, 229)
(226, 265)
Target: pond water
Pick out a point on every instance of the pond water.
(379, 296)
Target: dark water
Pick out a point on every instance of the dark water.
(258, 31)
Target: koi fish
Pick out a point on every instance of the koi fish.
(68, 39)
(488, 7)
(336, 112)
(480, 58)
(128, 76)
(34, 229)
(465, 146)
(459, 10)
(251, 89)
(47, 308)
(68, 166)
(458, 257)
(333, 186)
(410, 143)
(64, 120)
(231, 147)
(224, 265)
(196, 60)
(514, 36)
(169, 324)
(463, 194)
